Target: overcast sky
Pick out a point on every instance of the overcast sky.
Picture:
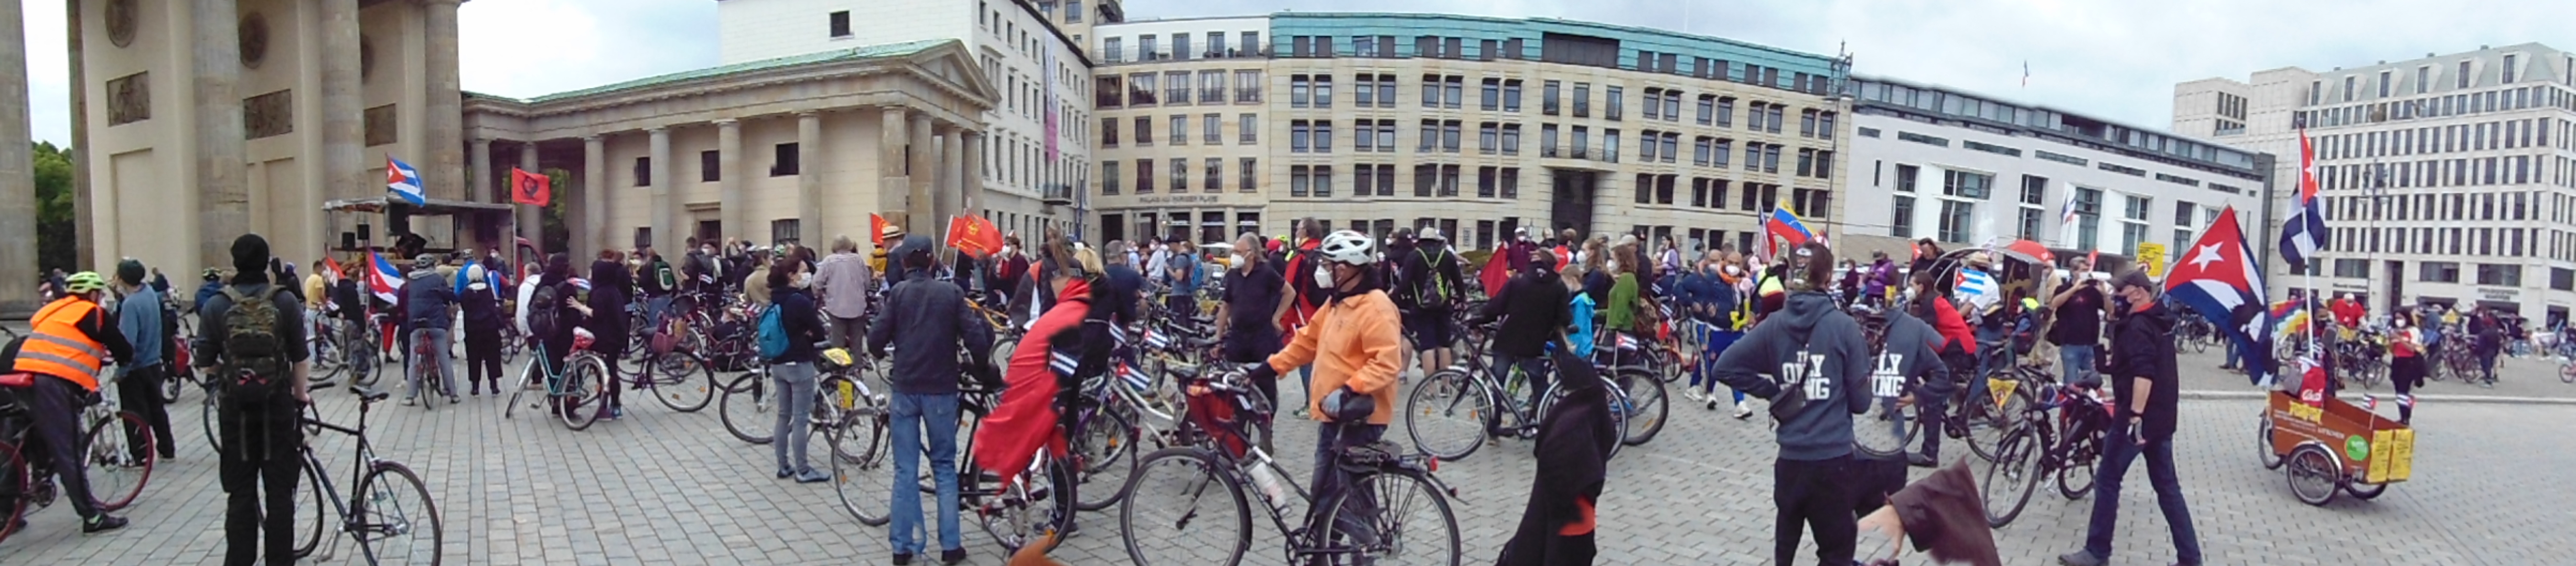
(2117, 60)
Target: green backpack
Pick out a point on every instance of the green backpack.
(254, 367)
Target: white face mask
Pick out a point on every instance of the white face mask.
(1612, 266)
(1324, 276)
(1235, 259)
(1734, 270)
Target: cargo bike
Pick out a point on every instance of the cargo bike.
(2333, 446)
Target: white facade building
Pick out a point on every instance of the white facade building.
(1041, 74)
(2448, 179)
(1967, 169)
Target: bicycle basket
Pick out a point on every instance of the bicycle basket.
(1224, 418)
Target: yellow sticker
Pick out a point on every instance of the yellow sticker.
(2002, 389)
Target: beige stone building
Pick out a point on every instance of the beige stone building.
(1212, 126)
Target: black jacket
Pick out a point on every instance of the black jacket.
(802, 321)
(935, 323)
(482, 312)
(608, 285)
(1430, 278)
(1574, 443)
(1533, 309)
(2142, 346)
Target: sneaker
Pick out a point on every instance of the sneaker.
(1693, 395)
(952, 556)
(783, 472)
(1743, 411)
(451, 399)
(1921, 460)
(102, 523)
(2081, 558)
(812, 476)
(409, 401)
(902, 559)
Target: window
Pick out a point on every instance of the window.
(1547, 140)
(1490, 95)
(1547, 98)
(1180, 130)
(1720, 152)
(644, 171)
(1215, 175)
(1707, 107)
(1108, 132)
(840, 24)
(1140, 89)
(1300, 181)
(1144, 176)
(1449, 136)
(1144, 130)
(1964, 184)
(1485, 182)
(1511, 183)
(1488, 136)
(1109, 178)
(1251, 176)
(1215, 126)
(2439, 271)
(2088, 217)
(2508, 78)
(1616, 101)
(1211, 87)
(1073, 11)
(1300, 136)
(1646, 150)
(1899, 226)
(1323, 136)
(1386, 91)
(1512, 95)
(1301, 91)
(1956, 217)
(1385, 181)
(1250, 42)
(2460, 80)
(1180, 176)
(783, 162)
(2133, 224)
(1582, 100)
(1511, 139)
(1323, 91)
(1176, 87)
(1111, 48)
(1725, 111)
(1430, 91)
(1425, 177)
(1247, 87)
(1246, 127)
(1452, 91)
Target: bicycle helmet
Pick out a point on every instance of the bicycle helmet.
(84, 282)
(1347, 247)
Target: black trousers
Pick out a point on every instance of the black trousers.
(261, 465)
(483, 358)
(140, 391)
(1815, 494)
(56, 405)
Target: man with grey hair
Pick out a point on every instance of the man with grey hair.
(843, 281)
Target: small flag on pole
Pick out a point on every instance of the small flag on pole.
(404, 181)
(530, 188)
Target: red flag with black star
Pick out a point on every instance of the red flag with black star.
(530, 188)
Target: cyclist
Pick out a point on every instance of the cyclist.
(660, 282)
(556, 312)
(138, 381)
(1430, 287)
(1533, 309)
(1820, 358)
(67, 341)
(260, 465)
(936, 323)
(426, 305)
(1355, 342)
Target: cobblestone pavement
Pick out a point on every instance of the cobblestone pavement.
(665, 488)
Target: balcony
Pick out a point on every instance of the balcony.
(1056, 194)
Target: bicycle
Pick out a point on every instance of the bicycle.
(571, 390)
(385, 512)
(746, 404)
(2195, 333)
(110, 459)
(1463, 407)
(1984, 423)
(2066, 451)
(1176, 489)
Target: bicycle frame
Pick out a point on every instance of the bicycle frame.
(350, 524)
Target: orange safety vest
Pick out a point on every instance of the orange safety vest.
(58, 348)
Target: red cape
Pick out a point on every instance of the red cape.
(1025, 420)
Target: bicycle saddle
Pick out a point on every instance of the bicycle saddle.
(366, 395)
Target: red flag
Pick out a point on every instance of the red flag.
(974, 235)
(332, 267)
(530, 188)
(876, 227)
(1497, 271)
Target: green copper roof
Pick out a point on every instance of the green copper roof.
(851, 54)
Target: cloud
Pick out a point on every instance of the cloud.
(525, 48)
(49, 73)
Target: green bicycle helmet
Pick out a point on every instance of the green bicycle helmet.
(84, 282)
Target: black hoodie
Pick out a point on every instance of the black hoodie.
(1809, 341)
(1574, 443)
(2142, 347)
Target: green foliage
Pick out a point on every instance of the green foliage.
(55, 225)
(555, 232)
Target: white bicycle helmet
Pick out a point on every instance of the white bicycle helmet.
(1345, 246)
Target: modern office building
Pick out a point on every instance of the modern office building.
(1966, 169)
(1476, 125)
(2446, 179)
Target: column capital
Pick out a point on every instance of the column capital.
(594, 138)
(656, 129)
(808, 113)
(727, 122)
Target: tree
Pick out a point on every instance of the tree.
(55, 225)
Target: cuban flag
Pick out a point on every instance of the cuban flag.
(404, 181)
(2217, 278)
(1976, 286)
(2305, 232)
(1782, 224)
(383, 278)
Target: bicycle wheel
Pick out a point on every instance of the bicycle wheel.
(171, 387)
(1408, 521)
(326, 357)
(1448, 414)
(2567, 370)
(745, 409)
(2010, 477)
(583, 398)
(1988, 423)
(2076, 470)
(681, 380)
(206, 415)
(528, 379)
(117, 466)
(364, 364)
(397, 522)
(13, 479)
(1181, 509)
(1645, 405)
(310, 501)
(2315, 475)
(864, 483)
(1107, 447)
(1034, 506)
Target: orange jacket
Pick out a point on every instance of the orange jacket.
(1355, 341)
(70, 339)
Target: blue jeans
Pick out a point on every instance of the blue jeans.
(655, 307)
(794, 427)
(915, 414)
(1713, 343)
(2117, 454)
(2075, 364)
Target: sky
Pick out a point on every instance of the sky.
(2114, 60)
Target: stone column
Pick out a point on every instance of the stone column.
(478, 173)
(952, 173)
(894, 182)
(729, 177)
(666, 220)
(223, 201)
(809, 179)
(85, 234)
(17, 168)
(594, 225)
(444, 121)
(531, 219)
(922, 209)
(344, 165)
(973, 163)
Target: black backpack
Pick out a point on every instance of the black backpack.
(541, 311)
(254, 369)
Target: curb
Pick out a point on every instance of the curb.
(2484, 399)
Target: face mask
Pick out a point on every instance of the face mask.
(1324, 277)
(1235, 259)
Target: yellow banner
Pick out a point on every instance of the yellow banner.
(2151, 256)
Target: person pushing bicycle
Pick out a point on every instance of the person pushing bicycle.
(1359, 322)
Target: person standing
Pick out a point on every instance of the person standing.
(1430, 277)
(794, 370)
(2078, 305)
(427, 302)
(261, 462)
(1247, 322)
(1709, 300)
(1181, 273)
(936, 323)
(482, 306)
(62, 351)
(843, 281)
(2487, 335)
(138, 378)
(2405, 362)
(1533, 307)
(1574, 440)
(1820, 360)
(607, 302)
(1356, 345)
(2146, 390)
